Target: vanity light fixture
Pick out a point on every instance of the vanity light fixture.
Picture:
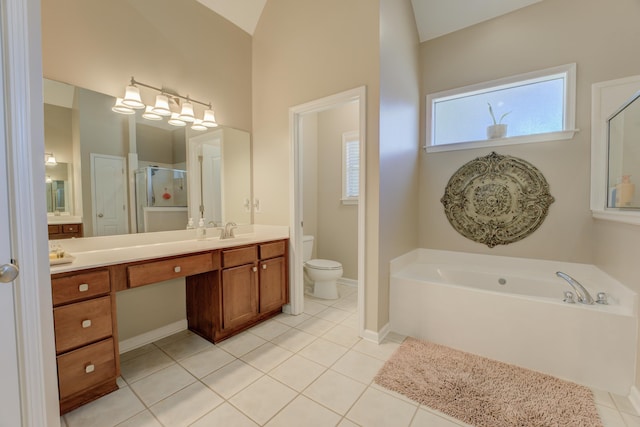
(50, 159)
(48, 179)
(162, 107)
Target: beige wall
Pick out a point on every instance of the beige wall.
(337, 233)
(304, 50)
(57, 132)
(600, 37)
(399, 124)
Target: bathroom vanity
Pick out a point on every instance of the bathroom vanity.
(231, 284)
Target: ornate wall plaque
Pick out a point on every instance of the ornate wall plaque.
(496, 200)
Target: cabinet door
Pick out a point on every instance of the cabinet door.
(273, 284)
(239, 295)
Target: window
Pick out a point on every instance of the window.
(350, 167)
(537, 106)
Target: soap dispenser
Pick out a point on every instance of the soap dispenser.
(201, 231)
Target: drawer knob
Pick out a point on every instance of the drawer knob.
(89, 368)
(86, 323)
(84, 287)
(177, 269)
(255, 269)
(264, 266)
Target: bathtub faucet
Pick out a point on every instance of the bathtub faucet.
(583, 295)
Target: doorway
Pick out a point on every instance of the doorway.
(297, 115)
(109, 195)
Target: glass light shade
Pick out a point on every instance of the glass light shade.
(119, 107)
(48, 180)
(149, 114)
(162, 106)
(50, 159)
(209, 119)
(132, 98)
(198, 125)
(186, 114)
(176, 121)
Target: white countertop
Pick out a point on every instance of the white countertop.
(94, 252)
(63, 219)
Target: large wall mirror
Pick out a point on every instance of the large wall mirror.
(124, 174)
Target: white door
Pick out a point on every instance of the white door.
(211, 182)
(109, 195)
(9, 383)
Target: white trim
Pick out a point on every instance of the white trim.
(347, 282)
(377, 337)
(151, 336)
(606, 98)
(567, 72)
(634, 398)
(295, 196)
(25, 142)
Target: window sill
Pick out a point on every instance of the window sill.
(349, 201)
(499, 142)
(632, 218)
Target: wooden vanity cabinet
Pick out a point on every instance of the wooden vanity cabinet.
(65, 231)
(85, 336)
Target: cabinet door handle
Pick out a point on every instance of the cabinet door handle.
(89, 368)
(255, 269)
(264, 266)
(86, 323)
(84, 287)
(177, 269)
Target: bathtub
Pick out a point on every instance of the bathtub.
(512, 310)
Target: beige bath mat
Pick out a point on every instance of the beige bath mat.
(484, 392)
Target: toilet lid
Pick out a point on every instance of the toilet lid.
(323, 264)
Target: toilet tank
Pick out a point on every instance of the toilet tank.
(307, 247)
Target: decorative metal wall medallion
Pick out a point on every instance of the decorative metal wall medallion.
(496, 200)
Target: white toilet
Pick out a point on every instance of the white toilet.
(320, 274)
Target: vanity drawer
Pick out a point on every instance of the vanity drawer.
(54, 229)
(86, 367)
(158, 271)
(240, 256)
(272, 250)
(82, 323)
(80, 286)
(71, 228)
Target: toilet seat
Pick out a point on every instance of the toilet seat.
(323, 264)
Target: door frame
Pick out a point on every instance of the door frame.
(22, 66)
(125, 187)
(359, 94)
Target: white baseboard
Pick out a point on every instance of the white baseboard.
(376, 337)
(151, 336)
(634, 398)
(347, 282)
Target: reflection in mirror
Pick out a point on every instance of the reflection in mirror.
(58, 189)
(624, 155)
(160, 186)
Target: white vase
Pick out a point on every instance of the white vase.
(496, 131)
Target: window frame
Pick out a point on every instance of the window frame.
(349, 137)
(567, 72)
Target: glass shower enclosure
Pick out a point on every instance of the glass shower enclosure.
(161, 199)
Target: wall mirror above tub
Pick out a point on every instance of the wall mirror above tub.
(144, 165)
(615, 150)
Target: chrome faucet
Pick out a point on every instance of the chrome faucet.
(583, 295)
(227, 231)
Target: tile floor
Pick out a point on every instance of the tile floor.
(306, 370)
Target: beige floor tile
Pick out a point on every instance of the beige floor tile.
(346, 423)
(145, 364)
(333, 314)
(185, 347)
(428, 419)
(312, 307)
(382, 351)
(263, 399)
(143, 419)
(603, 398)
(395, 337)
(207, 361)
(346, 290)
(159, 385)
(241, 344)
(186, 406)
(315, 326)
(610, 417)
(358, 366)
(224, 415)
(631, 420)
(267, 356)
(375, 408)
(323, 352)
(137, 352)
(291, 320)
(174, 337)
(270, 329)
(351, 321)
(297, 372)
(108, 411)
(304, 412)
(335, 391)
(63, 423)
(294, 340)
(232, 378)
(343, 335)
(624, 404)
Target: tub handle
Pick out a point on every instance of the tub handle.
(568, 297)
